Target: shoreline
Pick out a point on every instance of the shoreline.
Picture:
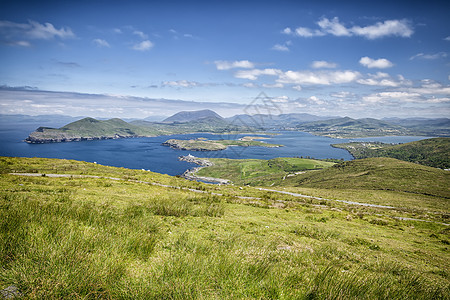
(190, 174)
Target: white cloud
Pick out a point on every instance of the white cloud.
(140, 34)
(370, 63)
(34, 30)
(341, 94)
(101, 43)
(280, 99)
(143, 46)
(333, 27)
(315, 100)
(389, 96)
(180, 83)
(319, 77)
(384, 79)
(306, 32)
(429, 56)
(279, 47)
(319, 64)
(447, 38)
(430, 87)
(255, 73)
(287, 30)
(400, 28)
(226, 65)
(297, 87)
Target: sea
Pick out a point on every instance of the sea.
(148, 153)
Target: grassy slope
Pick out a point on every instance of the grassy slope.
(348, 127)
(381, 174)
(89, 127)
(258, 171)
(433, 152)
(102, 238)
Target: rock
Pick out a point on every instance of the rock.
(11, 292)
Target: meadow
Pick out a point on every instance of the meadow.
(120, 236)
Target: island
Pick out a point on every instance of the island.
(202, 144)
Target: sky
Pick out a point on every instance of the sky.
(138, 59)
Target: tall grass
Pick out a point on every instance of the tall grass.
(65, 249)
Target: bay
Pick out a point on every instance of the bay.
(150, 154)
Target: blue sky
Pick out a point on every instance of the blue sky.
(113, 59)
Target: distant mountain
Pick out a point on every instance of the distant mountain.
(348, 127)
(282, 121)
(47, 120)
(189, 116)
(423, 126)
(88, 129)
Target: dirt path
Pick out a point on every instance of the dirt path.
(221, 195)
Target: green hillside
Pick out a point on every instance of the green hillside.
(92, 129)
(348, 127)
(259, 171)
(378, 174)
(115, 233)
(88, 128)
(433, 152)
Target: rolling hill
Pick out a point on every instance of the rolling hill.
(348, 127)
(433, 152)
(71, 229)
(377, 174)
(88, 129)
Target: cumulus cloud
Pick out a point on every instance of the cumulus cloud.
(101, 43)
(321, 64)
(226, 65)
(447, 38)
(11, 32)
(143, 46)
(380, 63)
(429, 56)
(401, 28)
(319, 77)
(255, 73)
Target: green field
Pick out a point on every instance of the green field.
(100, 237)
(433, 152)
(259, 171)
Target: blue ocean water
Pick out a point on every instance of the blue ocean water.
(149, 154)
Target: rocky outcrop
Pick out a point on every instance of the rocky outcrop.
(203, 163)
(36, 139)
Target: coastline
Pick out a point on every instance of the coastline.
(190, 174)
